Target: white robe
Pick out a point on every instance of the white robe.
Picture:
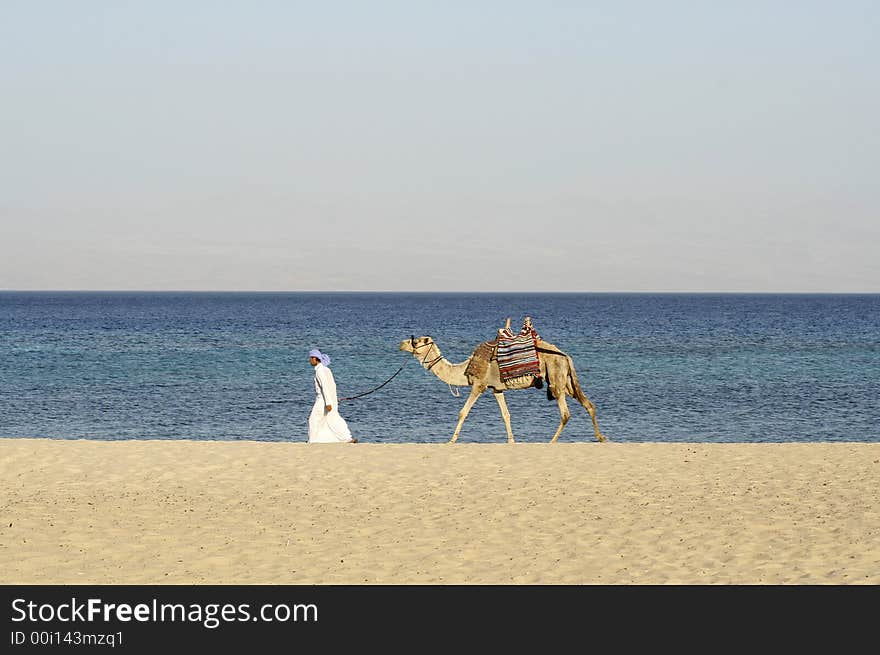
(326, 427)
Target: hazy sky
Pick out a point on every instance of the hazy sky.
(430, 146)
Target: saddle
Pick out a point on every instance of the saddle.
(516, 354)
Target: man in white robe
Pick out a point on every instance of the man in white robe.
(326, 424)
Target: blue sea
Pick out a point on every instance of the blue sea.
(234, 366)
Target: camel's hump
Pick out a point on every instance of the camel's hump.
(546, 346)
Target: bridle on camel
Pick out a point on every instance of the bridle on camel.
(429, 342)
(426, 363)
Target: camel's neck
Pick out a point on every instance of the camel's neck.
(434, 361)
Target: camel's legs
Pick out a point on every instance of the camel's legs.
(462, 415)
(588, 405)
(564, 415)
(499, 396)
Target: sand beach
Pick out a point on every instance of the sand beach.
(197, 512)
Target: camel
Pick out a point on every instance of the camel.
(557, 369)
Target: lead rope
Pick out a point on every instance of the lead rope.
(366, 393)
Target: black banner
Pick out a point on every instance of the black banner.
(153, 618)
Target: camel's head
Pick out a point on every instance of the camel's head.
(416, 345)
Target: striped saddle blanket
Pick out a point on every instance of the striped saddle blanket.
(517, 354)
